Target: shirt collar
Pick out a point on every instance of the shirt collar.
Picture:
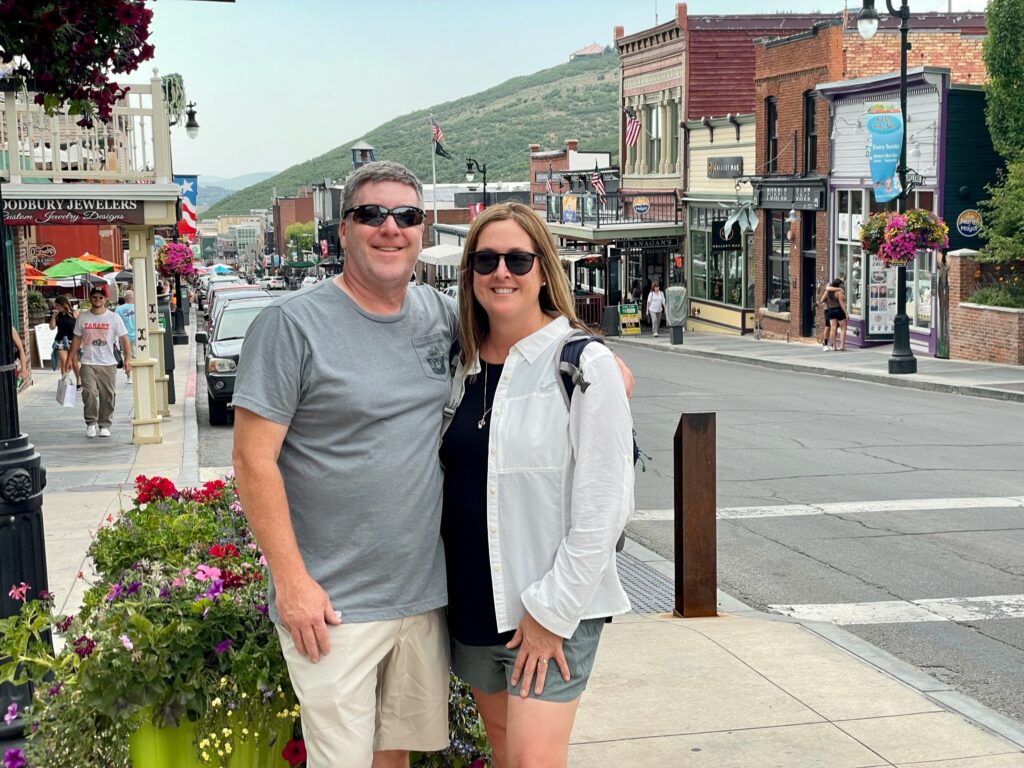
(531, 347)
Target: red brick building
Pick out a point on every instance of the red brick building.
(794, 126)
(288, 211)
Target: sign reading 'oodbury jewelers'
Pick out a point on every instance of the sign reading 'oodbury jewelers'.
(21, 213)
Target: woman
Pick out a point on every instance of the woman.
(62, 319)
(834, 300)
(535, 493)
(655, 306)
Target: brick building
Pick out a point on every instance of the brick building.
(288, 211)
(797, 250)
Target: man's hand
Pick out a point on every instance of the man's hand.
(305, 611)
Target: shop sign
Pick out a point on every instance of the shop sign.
(725, 167)
(570, 209)
(42, 256)
(641, 205)
(803, 197)
(885, 141)
(25, 213)
(725, 241)
(629, 319)
(968, 223)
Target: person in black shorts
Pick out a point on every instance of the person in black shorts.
(834, 301)
(62, 320)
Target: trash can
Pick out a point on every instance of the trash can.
(610, 320)
(677, 307)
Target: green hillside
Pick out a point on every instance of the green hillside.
(578, 100)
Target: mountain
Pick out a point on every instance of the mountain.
(577, 100)
(208, 194)
(236, 183)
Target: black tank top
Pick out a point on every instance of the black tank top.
(65, 327)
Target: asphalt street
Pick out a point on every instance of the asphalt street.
(895, 513)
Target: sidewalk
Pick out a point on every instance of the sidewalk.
(743, 689)
(1000, 382)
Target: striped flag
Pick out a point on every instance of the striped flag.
(435, 131)
(598, 182)
(188, 188)
(547, 184)
(632, 130)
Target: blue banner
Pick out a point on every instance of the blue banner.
(885, 138)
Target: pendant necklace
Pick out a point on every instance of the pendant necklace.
(483, 419)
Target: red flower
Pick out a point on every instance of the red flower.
(294, 752)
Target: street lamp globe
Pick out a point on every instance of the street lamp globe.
(469, 172)
(867, 20)
(191, 125)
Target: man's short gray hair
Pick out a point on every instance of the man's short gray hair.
(378, 171)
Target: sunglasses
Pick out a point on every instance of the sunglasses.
(517, 262)
(375, 215)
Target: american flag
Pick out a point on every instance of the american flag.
(547, 184)
(435, 132)
(188, 188)
(633, 128)
(598, 182)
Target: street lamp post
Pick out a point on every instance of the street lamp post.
(902, 359)
(472, 164)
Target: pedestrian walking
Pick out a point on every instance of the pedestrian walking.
(833, 299)
(96, 332)
(62, 320)
(530, 554)
(655, 306)
(22, 371)
(126, 311)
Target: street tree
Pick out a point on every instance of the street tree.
(1003, 52)
(66, 51)
(299, 237)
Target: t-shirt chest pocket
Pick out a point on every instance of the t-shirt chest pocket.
(432, 351)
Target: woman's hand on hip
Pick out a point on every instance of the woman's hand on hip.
(537, 648)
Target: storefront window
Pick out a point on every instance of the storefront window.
(716, 285)
(699, 261)
(777, 266)
(723, 276)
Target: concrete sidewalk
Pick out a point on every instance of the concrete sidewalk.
(1001, 382)
(743, 689)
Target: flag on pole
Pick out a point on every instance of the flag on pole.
(188, 188)
(633, 128)
(475, 209)
(439, 150)
(598, 182)
(547, 184)
(436, 133)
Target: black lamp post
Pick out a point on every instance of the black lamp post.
(902, 359)
(472, 164)
(22, 479)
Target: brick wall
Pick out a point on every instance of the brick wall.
(983, 334)
(881, 54)
(540, 162)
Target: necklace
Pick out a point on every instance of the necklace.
(483, 418)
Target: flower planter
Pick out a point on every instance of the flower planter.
(153, 747)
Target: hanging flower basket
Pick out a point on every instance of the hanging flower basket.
(897, 237)
(175, 259)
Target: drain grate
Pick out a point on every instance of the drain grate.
(649, 591)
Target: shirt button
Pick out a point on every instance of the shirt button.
(496, 568)
(493, 529)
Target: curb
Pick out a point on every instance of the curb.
(939, 693)
(895, 381)
(190, 436)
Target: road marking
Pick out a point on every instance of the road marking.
(844, 508)
(958, 609)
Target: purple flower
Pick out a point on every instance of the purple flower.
(63, 624)
(165, 593)
(114, 592)
(262, 608)
(133, 588)
(222, 646)
(216, 588)
(84, 646)
(12, 714)
(14, 758)
(55, 690)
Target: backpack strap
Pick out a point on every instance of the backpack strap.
(569, 355)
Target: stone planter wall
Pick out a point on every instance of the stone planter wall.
(979, 332)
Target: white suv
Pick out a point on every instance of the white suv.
(309, 280)
(276, 283)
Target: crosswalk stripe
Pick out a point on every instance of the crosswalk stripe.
(958, 609)
(844, 508)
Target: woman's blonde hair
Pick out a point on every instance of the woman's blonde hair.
(555, 297)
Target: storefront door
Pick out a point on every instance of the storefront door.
(808, 300)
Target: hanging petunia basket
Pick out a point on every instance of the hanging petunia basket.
(175, 259)
(897, 237)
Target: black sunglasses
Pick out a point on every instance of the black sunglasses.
(517, 262)
(375, 215)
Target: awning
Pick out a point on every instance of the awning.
(443, 255)
(299, 264)
(571, 256)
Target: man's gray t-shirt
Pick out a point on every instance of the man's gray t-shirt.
(363, 398)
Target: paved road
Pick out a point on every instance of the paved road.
(937, 579)
(896, 513)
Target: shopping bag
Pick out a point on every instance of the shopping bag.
(66, 392)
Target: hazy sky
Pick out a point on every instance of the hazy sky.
(277, 83)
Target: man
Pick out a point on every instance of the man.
(338, 406)
(96, 333)
(126, 311)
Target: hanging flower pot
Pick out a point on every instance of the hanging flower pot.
(898, 237)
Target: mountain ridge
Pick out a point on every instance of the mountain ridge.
(574, 100)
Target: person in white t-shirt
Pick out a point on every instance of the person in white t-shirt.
(96, 333)
(655, 306)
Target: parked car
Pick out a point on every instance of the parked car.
(207, 282)
(221, 299)
(276, 283)
(223, 347)
(309, 280)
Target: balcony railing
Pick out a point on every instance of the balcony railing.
(134, 147)
(615, 209)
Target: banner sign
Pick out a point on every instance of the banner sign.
(570, 209)
(25, 213)
(189, 193)
(885, 139)
(629, 319)
(725, 167)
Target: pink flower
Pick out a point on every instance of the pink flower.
(204, 572)
(12, 714)
(19, 592)
(127, 643)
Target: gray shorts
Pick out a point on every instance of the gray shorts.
(488, 668)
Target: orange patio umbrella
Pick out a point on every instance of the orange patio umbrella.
(97, 260)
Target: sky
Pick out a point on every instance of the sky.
(277, 83)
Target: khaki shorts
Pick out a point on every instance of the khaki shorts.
(384, 685)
